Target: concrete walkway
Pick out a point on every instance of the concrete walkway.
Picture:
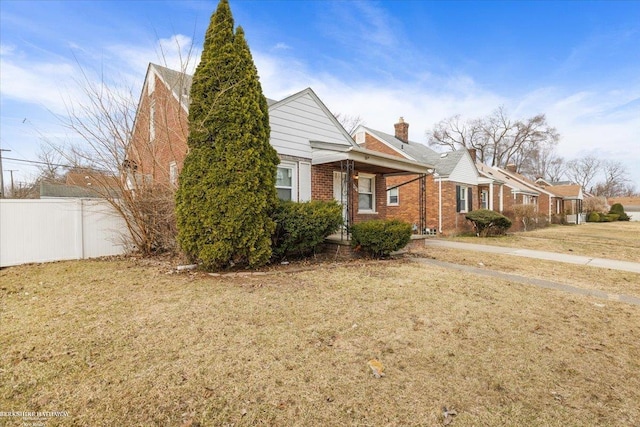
(530, 281)
(612, 264)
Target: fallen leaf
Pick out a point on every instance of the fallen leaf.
(377, 368)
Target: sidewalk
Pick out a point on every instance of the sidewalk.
(633, 267)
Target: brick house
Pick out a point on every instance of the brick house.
(318, 158)
(437, 202)
(568, 200)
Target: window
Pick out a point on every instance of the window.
(152, 121)
(284, 182)
(464, 198)
(392, 197)
(366, 191)
(173, 173)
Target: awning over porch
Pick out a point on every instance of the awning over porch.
(366, 160)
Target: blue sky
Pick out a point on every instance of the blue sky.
(578, 62)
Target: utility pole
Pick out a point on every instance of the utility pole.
(13, 190)
(1, 174)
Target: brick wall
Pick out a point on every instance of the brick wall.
(408, 208)
(452, 222)
(322, 182)
(171, 129)
(372, 143)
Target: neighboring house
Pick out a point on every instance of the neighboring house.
(80, 183)
(631, 205)
(436, 202)
(318, 158)
(510, 190)
(569, 197)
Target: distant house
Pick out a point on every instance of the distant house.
(570, 197)
(437, 202)
(318, 159)
(631, 205)
(81, 183)
(511, 191)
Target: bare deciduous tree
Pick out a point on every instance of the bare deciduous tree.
(349, 122)
(615, 182)
(104, 122)
(497, 139)
(583, 171)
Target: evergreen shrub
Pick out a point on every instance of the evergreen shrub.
(593, 217)
(618, 209)
(378, 238)
(487, 222)
(302, 227)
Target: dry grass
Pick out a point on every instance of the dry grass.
(119, 343)
(616, 240)
(587, 277)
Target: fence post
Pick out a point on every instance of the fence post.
(79, 229)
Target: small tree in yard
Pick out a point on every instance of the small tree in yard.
(527, 214)
(487, 222)
(227, 189)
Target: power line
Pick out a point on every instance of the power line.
(37, 162)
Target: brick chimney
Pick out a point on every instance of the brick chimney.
(511, 167)
(402, 130)
(472, 153)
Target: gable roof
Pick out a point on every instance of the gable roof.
(177, 82)
(569, 192)
(274, 105)
(531, 184)
(503, 177)
(443, 163)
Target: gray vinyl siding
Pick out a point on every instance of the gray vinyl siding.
(299, 121)
(465, 172)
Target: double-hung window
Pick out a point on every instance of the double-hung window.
(366, 193)
(284, 182)
(463, 198)
(393, 197)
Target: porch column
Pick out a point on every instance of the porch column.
(491, 196)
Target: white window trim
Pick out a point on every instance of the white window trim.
(373, 194)
(464, 190)
(294, 179)
(484, 194)
(397, 203)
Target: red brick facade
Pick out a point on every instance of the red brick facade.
(453, 222)
(152, 156)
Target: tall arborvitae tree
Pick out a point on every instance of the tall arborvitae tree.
(227, 186)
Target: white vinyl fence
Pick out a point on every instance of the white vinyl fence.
(41, 230)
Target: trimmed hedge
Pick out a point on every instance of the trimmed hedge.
(609, 217)
(488, 222)
(593, 217)
(302, 227)
(378, 238)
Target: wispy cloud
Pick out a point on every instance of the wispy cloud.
(281, 46)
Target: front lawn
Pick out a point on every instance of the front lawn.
(126, 343)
